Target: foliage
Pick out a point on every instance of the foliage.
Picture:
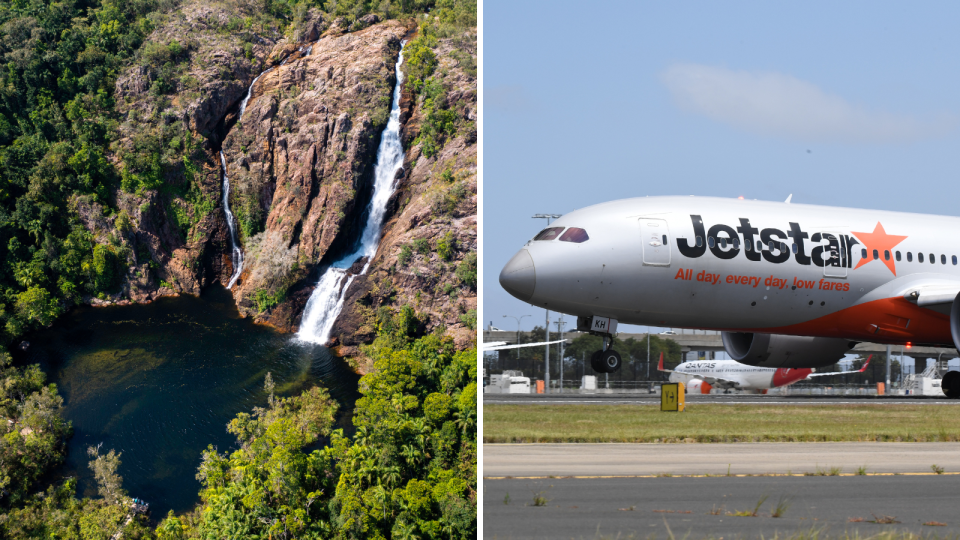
(446, 246)
(409, 469)
(32, 430)
(265, 300)
(421, 246)
(57, 120)
(467, 270)
(469, 319)
(406, 253)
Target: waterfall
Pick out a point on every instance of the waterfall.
(237, 257)
(231, 224)
(326, 302)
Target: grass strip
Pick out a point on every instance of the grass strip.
(712, 423)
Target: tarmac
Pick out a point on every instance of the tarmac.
(694, 508)
(613, 459)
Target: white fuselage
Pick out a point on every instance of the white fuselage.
(747, 266)
(733, 374)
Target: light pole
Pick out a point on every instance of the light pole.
(546, 358)
(518, 335)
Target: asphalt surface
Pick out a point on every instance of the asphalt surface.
(695, 508)
(613, 459)
(728, 399)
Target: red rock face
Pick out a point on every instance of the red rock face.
(435, 203)
(300, 161)
(300, 164)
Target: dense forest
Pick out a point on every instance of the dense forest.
(409, 470)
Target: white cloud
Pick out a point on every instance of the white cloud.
(776, 104)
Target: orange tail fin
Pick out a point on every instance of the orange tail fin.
(660, 365)
(865, 364)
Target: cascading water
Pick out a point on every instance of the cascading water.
(326, 302)
(231, 224)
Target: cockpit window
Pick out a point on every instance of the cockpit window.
(575, 235)
(548, 234)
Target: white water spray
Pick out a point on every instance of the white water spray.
(326, 302)
(231, 224)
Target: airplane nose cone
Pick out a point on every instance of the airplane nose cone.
(519, 277)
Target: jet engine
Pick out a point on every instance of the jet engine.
(951, 379)
(780, 351)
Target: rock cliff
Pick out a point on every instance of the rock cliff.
(427, 257)
(300, 161)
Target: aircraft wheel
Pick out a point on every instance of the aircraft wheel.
(951, 384)
(595, 362)
(610, 361)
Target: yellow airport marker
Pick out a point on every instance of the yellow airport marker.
(672, 397)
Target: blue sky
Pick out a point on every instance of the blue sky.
(853, 104)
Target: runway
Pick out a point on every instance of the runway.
(612, 459)
(722, 399)
(695, 508)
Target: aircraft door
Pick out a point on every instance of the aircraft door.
(835, 256)
(655, 237)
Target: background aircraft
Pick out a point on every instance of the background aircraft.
(700, 376)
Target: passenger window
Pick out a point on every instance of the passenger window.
(863, 253)
(909, 256)
(886, 254)
(736, 243)
(919, 257)
(664, 239)
(898, 256)
(876, 254)
(748, 244)
(771, 246)
(699, 242)
(943, 259)
(723, 243)
(783, 247)
(548, 234)
(579, 236)
(711, 242)
(794, 248)
(933, 258)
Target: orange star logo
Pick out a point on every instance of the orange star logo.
(880, 241)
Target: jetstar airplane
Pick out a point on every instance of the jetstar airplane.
(701, 376)
(789, 285)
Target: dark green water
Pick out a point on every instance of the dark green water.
(159, 382)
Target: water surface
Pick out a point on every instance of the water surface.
(159, 382)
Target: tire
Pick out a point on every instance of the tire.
(610, 361)
(595, 362)
(951, 384)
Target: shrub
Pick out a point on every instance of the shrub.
(406, 253)
(446, 246)
(422, 246)
(467, 270)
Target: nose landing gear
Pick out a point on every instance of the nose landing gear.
(606, 360)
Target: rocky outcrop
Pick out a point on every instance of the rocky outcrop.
(432, 231)
(301, 159)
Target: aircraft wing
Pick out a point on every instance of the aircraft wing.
(499, 345)
(861, 370)
(937, 297)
